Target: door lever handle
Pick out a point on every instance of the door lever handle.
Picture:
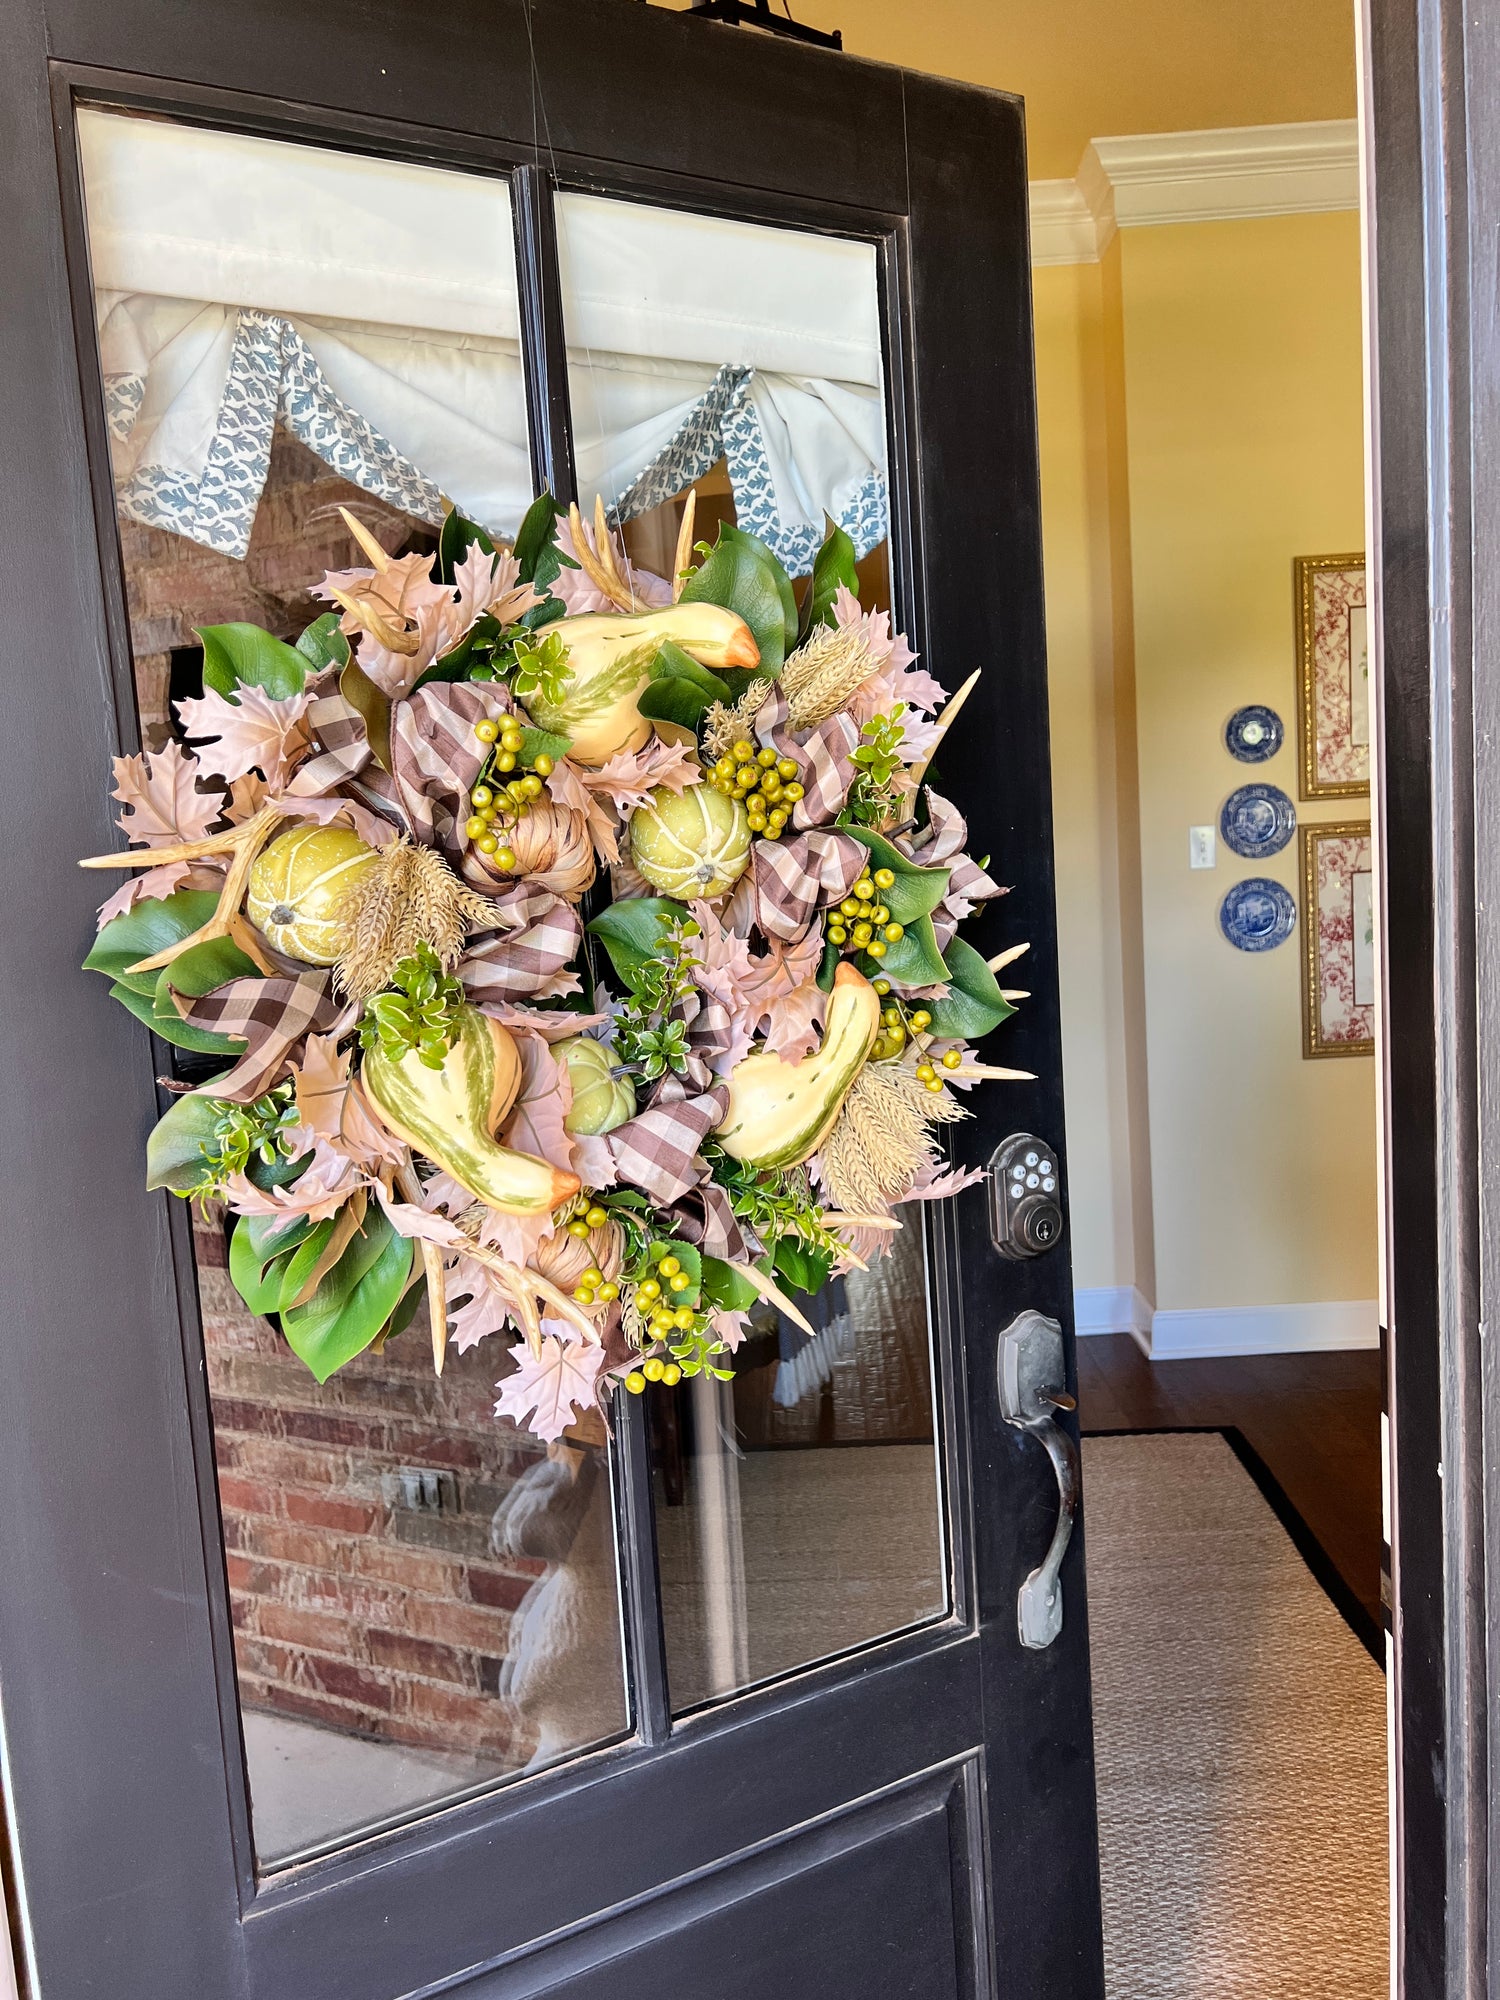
(1031, 1372)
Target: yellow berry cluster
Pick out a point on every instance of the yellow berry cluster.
(861, 922)
(898, 1025)
(498, 800)
(593, 1288)
(766, 783)
(653, 1298)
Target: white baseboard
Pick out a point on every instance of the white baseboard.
(1112, 1309)
(1206, 1331)
(1178, 1334)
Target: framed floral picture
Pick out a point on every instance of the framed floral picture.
(1333, 663)
(1338, 936)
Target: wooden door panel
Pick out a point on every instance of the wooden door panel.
(876, 1900)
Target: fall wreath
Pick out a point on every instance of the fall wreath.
(364, 890)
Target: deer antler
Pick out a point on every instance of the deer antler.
(432, 1265)
(684, 553)
(597, 558)
(243, 843)
(523, 1287)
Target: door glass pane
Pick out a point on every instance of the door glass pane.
(425, 1599)
(798, 1506)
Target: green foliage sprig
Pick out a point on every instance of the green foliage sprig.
(418, 1014)
(647, 1038)
(541, 668)
(246, 1134)
(877, 760)
(776, 1202)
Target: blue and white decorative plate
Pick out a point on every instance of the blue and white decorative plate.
(1257, 821)
(1253, 734)
(1257, 915)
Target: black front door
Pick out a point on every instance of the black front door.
(354, 1692)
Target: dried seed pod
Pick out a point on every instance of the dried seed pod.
(552, 848)
(564, 1258)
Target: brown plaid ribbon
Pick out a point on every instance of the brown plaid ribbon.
(338, 729)
(271, 1016)
(940, 844)
(436, 757)
(792, 879)
(658, 1151)
(539, 938)
(824, 759)
(703, 1216)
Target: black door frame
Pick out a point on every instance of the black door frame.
(136, 1682)
(1431, 82)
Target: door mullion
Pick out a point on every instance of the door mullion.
(544, 352)
(544, 347)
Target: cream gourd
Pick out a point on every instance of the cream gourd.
(779, 1112)
(610, 655)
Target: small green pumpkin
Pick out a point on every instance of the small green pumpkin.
(298, 888)
(695, 844)
(601, 1101)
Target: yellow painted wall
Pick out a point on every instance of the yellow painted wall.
(1243, 406)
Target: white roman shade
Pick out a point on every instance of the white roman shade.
(371, 307)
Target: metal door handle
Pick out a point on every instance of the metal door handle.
(1031, 1372)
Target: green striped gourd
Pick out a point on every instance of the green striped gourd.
(695, 844)
(450, 1115)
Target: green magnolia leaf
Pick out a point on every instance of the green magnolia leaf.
(353, 1302)
(536, 548)
(916, 892)
(469, 659)
(631, 932)
(374, 709)
(455, 539)
(257, 1282)
(975, 1003)
(542, 743)
(201, 968)
(298, 1268)
(741, 573)
(280, 1172)
(723, 1286)
(145, 929)
(324, 644)
(833, 565)
(690, 1258)
(236, 656)
(829, 967)
(677, 701)
(171, 1027)
(913, 960)
(673, 664)
(406, 1309)
(268, 1236)
(174, 1151)
(806, 1269)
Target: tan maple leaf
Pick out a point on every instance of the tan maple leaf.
(544, 1390)
(779, 991)
(159, 794)
(255, 732)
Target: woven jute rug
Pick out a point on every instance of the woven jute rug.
(1239, 1727)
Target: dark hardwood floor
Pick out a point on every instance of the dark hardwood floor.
(1314, 1420)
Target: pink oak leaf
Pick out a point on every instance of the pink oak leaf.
(780, 993)
(544, 1391)
(254, 732)
(543, 1102)
(159, 882)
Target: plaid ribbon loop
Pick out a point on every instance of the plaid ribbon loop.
(940, 844)
(537, 938)
(658, 1149)
(343, 742)
(792, 879)
(271, 1016)
(824, 759)
(436, 758)
(703, 1216)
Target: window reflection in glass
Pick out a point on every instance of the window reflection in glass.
(424, 1599)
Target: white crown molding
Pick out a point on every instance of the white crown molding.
(1144, 180)
(1063, 228)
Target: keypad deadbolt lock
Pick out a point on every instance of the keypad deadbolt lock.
(1026, 1215)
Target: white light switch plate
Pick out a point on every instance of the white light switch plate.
(1202, 847)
